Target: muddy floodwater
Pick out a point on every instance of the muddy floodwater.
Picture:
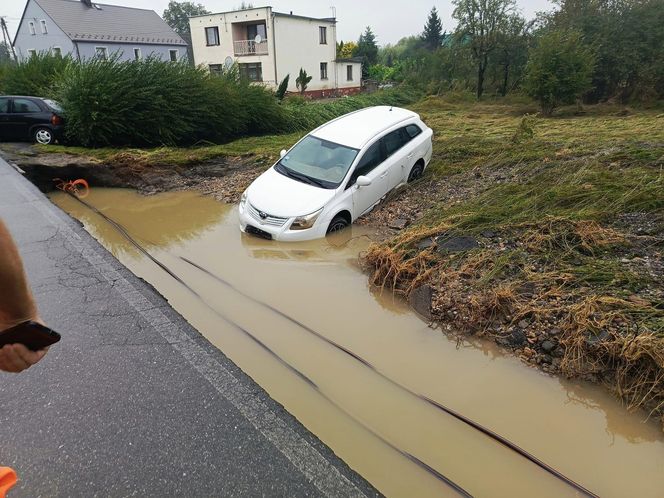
(575, 427)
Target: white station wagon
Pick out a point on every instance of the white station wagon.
(336, 173)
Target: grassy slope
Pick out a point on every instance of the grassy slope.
(267, 147)
(577, 203)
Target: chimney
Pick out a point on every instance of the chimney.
(87, 3)
(291, 12)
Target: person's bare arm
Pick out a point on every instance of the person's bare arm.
(16, 304)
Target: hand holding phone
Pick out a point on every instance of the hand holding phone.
(33, 335)
(24, 345)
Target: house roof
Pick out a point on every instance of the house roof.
(296, 16)
(277, 14)
(109, 23)
(350, 59)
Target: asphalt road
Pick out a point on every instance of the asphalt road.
(133, 401)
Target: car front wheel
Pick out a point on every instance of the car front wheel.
(337, 224)
(43, 136)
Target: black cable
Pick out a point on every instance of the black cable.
(497, 437)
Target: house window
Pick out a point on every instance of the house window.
(253, 72)
(31, 26)
(102, 53)
(254, 30)
(32, 52)
(56, 51)
(323, 70)
(322, 33)
(212, 36)
(173, 54)
(349, 73)
(215, 68)
(137, 54)
(43, 27)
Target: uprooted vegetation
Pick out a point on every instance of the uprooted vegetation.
(544, 235)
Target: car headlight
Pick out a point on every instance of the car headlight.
(243, 199)
(307, 221)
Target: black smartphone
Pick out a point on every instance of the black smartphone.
(32, 335)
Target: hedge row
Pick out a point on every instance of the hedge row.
(150, 102)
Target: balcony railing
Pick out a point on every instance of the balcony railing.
(250, 47)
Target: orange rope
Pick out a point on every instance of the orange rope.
(79, 188)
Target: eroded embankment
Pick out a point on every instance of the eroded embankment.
(562, 265)
(224, 177)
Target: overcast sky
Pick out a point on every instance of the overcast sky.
(389, 19)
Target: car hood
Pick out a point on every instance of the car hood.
(281, 196)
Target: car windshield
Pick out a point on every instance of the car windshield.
(317, 162)
(53, 105)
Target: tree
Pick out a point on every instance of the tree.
(559, 69)
(628, 36)
(177, 16)
(345, 50)
(367, 49)
(433, 31)
(512, 50)
(480, 21)
(5, 53)
(302, 81)
(283, 88)
(245, 6)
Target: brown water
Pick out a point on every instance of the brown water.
(575, 427)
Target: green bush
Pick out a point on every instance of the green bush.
(109, 102)
(559, 69)
(36, 75)
(151, 102)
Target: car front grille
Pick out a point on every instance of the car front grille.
(266, 219)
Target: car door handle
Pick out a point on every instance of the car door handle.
(383, 175)
(409, 156)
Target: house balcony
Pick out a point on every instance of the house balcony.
(249, 47)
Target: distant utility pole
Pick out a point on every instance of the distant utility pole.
(6, 37)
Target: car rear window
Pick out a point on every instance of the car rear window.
(413, 130)
(53, 105)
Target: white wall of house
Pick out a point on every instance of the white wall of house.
(25, 41)
(291, 42)
(298, 46)
(232, 24)
(342, 74)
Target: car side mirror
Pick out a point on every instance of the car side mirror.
(282, 153)
(363, 181)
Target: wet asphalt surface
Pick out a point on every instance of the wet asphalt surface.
(133, 401)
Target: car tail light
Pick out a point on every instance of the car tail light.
(56, 120)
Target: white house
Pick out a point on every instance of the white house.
(84, 30)
(269, 45)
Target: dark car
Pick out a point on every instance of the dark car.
(30, 118)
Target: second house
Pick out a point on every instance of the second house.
(269, 45)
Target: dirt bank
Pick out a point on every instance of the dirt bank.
(225, 178)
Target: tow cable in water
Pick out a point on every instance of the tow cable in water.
(73, 189)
